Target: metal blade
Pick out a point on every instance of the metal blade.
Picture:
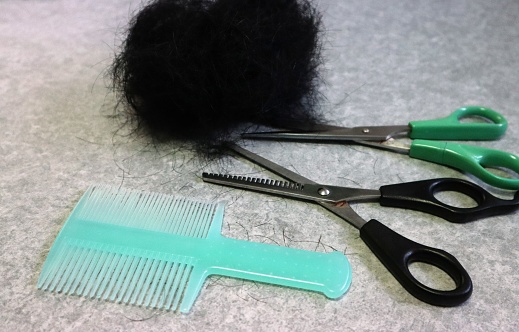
(343, 209)
(269, 165)
(389, 145)
(333, 133)
(310, 191)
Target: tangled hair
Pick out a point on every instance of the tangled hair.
(197, 69)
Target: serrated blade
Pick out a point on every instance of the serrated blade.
(306, 191)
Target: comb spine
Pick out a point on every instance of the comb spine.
(201, 272)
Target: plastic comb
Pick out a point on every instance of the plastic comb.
(156, 250)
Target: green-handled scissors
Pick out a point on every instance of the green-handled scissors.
(426, 144)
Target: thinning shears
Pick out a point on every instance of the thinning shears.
(394, 250)
(426, 144)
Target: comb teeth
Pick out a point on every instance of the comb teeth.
(244, 179)
(110, 248)
(145, 210)
(156, 281)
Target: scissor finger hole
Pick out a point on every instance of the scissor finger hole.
(474, 119)
(503, 172)
(456, 199)
(432, 276)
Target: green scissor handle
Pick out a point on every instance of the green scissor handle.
(450, 127)
(471, 159)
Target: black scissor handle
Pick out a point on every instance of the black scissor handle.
(397, 253)
(419, 195)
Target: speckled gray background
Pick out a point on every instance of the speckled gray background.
(387, 62)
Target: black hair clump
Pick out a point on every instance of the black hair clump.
(197, 69)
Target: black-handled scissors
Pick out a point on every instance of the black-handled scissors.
(393, 250)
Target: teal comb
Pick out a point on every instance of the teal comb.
(156, 251)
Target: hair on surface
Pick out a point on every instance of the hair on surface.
(198, 69)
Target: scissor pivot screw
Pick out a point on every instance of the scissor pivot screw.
(323, 191)
(365, 130)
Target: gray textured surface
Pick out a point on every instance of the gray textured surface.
(387, 63)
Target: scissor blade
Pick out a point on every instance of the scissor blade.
(379, 133)
(342, 209)
(308, 191)
(270, 165)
